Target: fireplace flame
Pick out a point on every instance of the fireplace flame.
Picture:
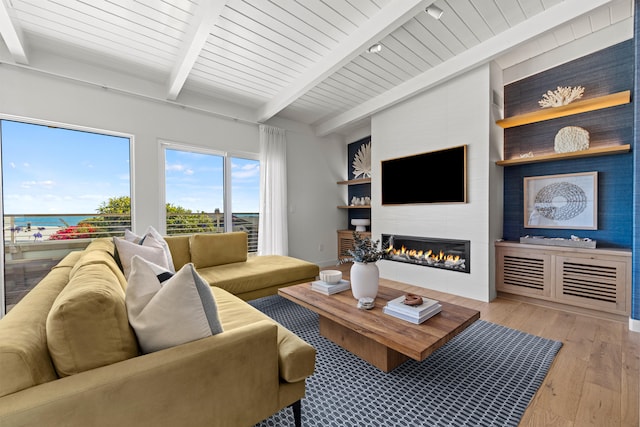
(429, 255)
(437, 253)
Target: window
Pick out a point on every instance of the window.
(60, 188)
(211, 192)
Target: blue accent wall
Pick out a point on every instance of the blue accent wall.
(635, 289)
(615, 183)
(607, 71)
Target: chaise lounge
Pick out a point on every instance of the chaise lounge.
(68, 355)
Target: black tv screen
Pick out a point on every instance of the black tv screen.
(433, 177)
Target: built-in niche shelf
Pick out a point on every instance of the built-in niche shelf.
(603, 151)
(576, 107)
(355, 181)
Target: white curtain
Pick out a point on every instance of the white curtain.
(273, 236)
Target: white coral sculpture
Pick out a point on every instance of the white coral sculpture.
(561, 96)
(570, 139)
(362, 162)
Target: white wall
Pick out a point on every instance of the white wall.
(33, 95)
(357, 133)
(453, 114)
(314, 165)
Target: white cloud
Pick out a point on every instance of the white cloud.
(246, 171)
(43, 184)
(100, 197)
(13, 165)
(176, 167)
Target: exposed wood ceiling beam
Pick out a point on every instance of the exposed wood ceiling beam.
(12, 35)
(392, 16)
(477, 55)
(206, 16)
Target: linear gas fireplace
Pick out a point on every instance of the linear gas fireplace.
(447, 254)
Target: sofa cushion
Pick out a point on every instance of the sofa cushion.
(130, 236)
(24, 356)
(179, 247)
(87, 326)
(296, 358)
(149, 249)
(259, 272)
(166, 311)
(208, 250)
(101, 253)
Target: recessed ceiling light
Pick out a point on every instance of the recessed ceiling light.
(434, 11)
(376, 48)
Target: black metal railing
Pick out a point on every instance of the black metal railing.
(34, 242)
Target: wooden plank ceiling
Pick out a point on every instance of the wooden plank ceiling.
(304, 60)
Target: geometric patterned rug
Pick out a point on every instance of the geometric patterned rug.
(485, 376)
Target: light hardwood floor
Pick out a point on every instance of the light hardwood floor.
(594, 380)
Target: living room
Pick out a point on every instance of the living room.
(78, 89)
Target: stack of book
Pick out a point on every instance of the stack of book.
(330, 288)
(412, 313)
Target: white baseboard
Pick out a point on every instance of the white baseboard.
(634, 325)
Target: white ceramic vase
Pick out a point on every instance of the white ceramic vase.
(364, 280)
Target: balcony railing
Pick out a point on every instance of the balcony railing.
(35, 243)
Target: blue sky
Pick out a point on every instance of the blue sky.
(57, 171)
(195, 181)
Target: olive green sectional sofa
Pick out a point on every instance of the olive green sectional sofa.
(222, 260)
(69, 357)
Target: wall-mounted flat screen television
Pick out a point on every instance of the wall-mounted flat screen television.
(433, 177)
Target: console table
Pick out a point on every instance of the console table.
(594, 279)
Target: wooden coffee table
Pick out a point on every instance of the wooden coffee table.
(382, 340)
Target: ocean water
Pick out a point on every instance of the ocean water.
(45, 221)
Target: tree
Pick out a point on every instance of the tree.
(183, 221)
(115, 217)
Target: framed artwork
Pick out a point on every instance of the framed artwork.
(561, 201)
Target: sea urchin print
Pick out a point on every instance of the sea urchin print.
(561, 201)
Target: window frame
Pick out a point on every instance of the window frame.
(68, 126)
(227, 195)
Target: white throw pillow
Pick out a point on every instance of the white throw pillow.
(130, 236)
(167, 313)
(150, 249)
